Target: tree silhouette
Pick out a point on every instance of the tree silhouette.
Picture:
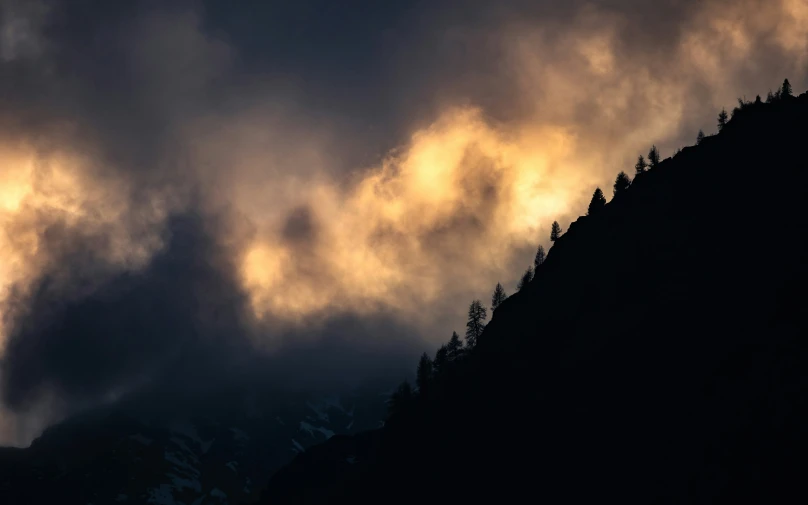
(441, 358)
(699, 137)
(621, 183)
(640, 166)
(758, 101)
(475, 323)
(498, 297)
(455, 347)
(555, 231)
(401, 398)
(539, 259)
(722, 119)
(423, 376)
(597, 203)
(525, 279)
(770, 97)
(785, 90)
(653, 157)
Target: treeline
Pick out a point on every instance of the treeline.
(433, 372)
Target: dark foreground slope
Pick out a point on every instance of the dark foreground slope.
(659, 356)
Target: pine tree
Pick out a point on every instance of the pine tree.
(758, 101)
(539, 259)
(441, 358)
(597, 203)
(622, 183)
(722, 119)
(770, 97)
(785, 90)
(475, 323)
(699, 137)
(640, 166)
(423, 376)
(653, 157)
(555, 231)
(455, 347)
(498, 297)
(401, 398)
(525, 279)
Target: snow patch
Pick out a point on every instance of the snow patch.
(304, 426)
(181, 483)
(121, 497)
(218, 493)
(333, 401)
(188, 430)
(185, 475)
(182, 445)
(350, 459)
(180, 463)
(297, 446)
(317, 409)
(278, 418)
(232, 465)
(349, 425)
(161, 496)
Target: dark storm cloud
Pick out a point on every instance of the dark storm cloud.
(178, 327)
(130, 324)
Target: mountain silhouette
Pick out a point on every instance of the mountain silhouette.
(223, 454)
(659, 355)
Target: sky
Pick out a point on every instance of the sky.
(320, 186)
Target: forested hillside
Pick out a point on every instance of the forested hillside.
(658, 353)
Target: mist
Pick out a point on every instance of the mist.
(197, 189)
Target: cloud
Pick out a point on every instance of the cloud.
(171, 194)
(446, 213)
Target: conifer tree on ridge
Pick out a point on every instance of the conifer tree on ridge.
(621, 183)
(455, 347)
(597, 203)
(641, 166)
(498, 297)
(475, 323)
(722, 119)
(653, 157)
(423, 375)
(525, 279)
(555, 231)
(540, 257)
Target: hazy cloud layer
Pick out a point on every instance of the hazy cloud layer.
(181, 180)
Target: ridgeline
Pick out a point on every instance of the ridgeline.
(658, 355)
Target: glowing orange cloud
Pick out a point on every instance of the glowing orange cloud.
(38, 192)
(460, 196)
(445, 214)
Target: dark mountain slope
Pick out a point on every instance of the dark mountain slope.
(660, 355)
(224, 453)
